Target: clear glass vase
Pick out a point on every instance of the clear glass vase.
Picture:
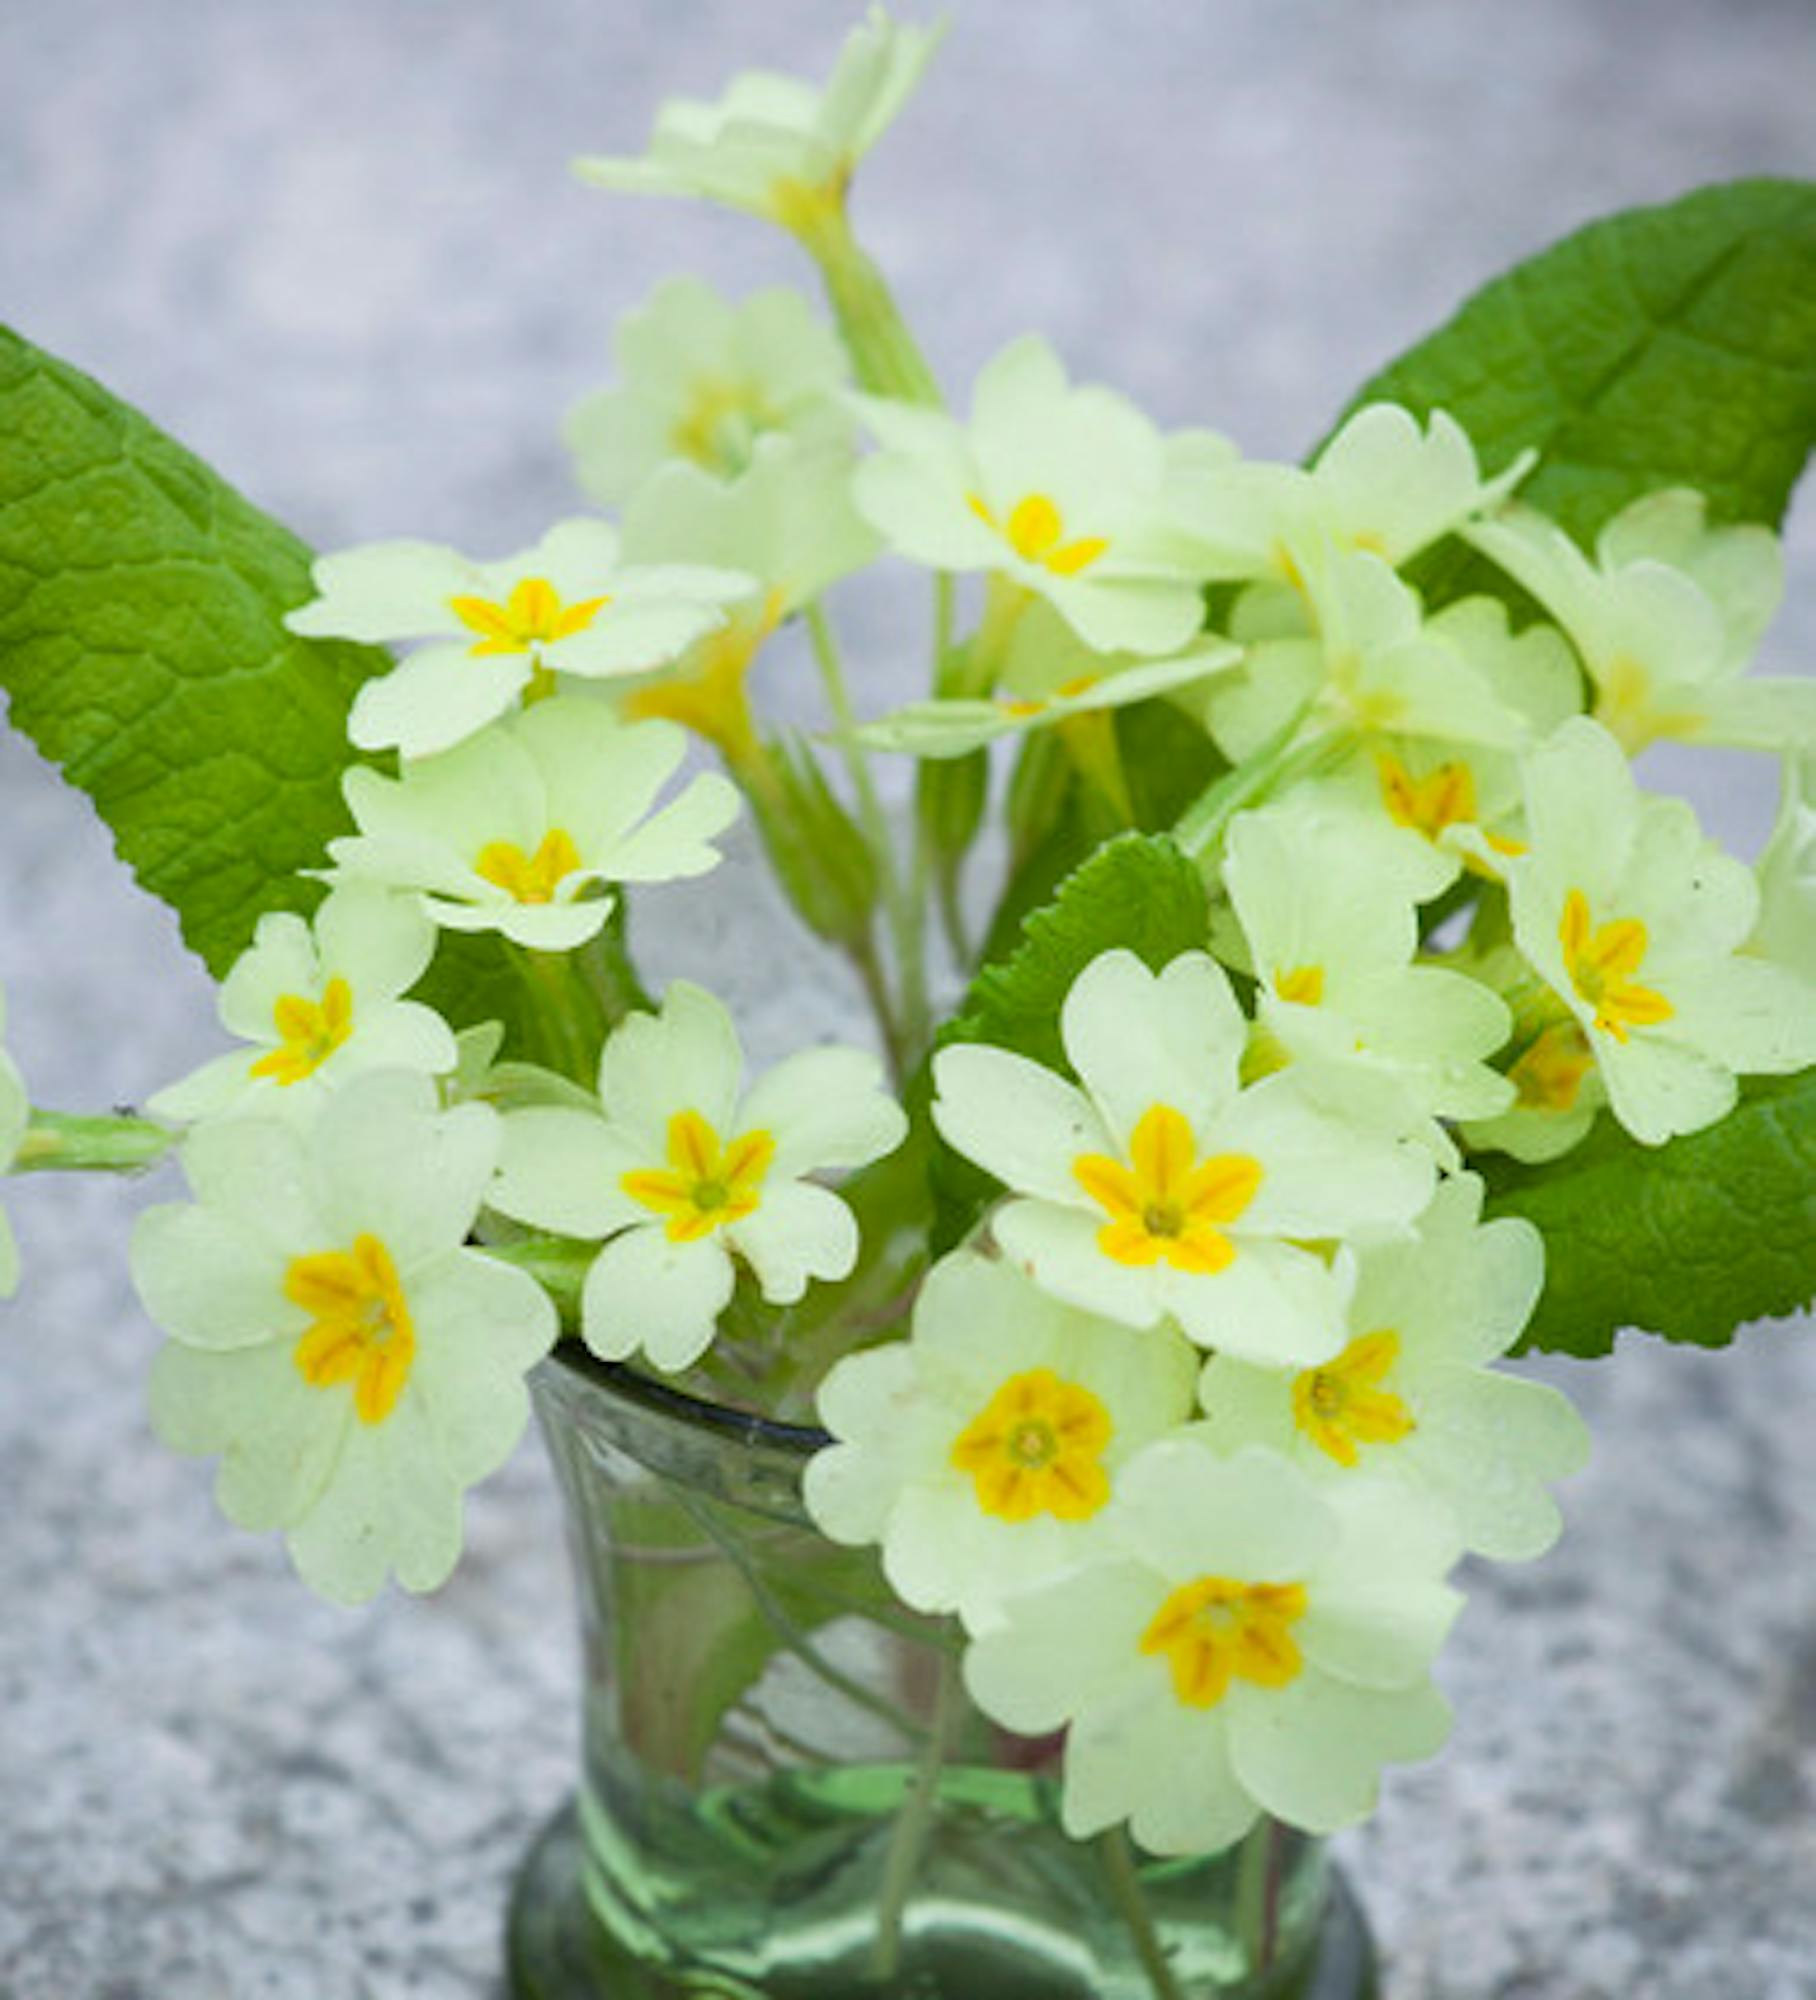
(785, 1793)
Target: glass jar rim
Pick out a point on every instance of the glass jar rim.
(664, 1399)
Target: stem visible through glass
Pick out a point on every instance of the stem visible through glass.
(908, 1840)
(1125, 1891)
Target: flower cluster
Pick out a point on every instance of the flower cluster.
(1221, 1571)
(1189, 1430)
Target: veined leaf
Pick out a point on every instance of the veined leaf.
(1689, 1240)
(143, 651)
(1668, 346)
(1136, 891)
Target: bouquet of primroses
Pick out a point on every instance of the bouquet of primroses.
(1289, 1003)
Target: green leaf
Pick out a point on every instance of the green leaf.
(1137, 891)
(1668, 346)
(1689, 1240)
(143, 651)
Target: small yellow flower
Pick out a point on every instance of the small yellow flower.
(1166, 1205)
(1601, 960)
(706, 1183)
(361, 1331)
(1037, 1448)
(1216, 1630)
(1342, 1404)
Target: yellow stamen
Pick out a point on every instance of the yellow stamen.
(310, 1032)
(1035, 1448)
(1036, 532)
(1303, 985)
(707, 694)
(1165, 1205)
(533, 615)
(1216, 1630)
(361, 1331)
(705, 1183)
(1445, 796)
(1342, 1404)
(530, 878)
(1601, 961)
(722, 423)
(1549, 1073)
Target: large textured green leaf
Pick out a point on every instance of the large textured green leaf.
(1664, 346)
(1689, 1240)
(1136, 891)
(143, 651)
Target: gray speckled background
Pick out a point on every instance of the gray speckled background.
(331, 244)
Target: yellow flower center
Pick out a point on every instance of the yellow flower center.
(1549, 1072)
(309, 1032)
(1342, 1405)
(533, 615)
(722, 423)
(1035, 1448)
(361, 1331)
(708, 694)
(1166, 1204)
(1601, 961)
(1445, 796)
(529, 878)
(1625, 707)
(1216, 1630)
(1303, 985)
(1036, 532)
(705, 1183)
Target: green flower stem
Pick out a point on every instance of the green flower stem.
(1258, 1863)
(787, 1631)
(1118, 1860)
(62, 1142)
(885, 354)
(912, 1015)
(908, 1839)
(862, 953)
(1281, 761)
(568, 1010)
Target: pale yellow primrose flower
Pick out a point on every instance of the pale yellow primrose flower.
(503, 630)
(981, 1452)
(772, 144)
(1786, 930)
(787, 522)
(319, 1003)
(1413, 1396)
(1260, 1644)
(15, 1117)
(685, 1171)
(1056, 488)
(1332, 936)
(1632, 918)
(702, 381)
(355, 1365)
(1049, 675)
(1382, 484)
(519, 829)
(1353, 649)
(1557, 1089)
(1162, 1188)
(1665, 618)
(1417, 792)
